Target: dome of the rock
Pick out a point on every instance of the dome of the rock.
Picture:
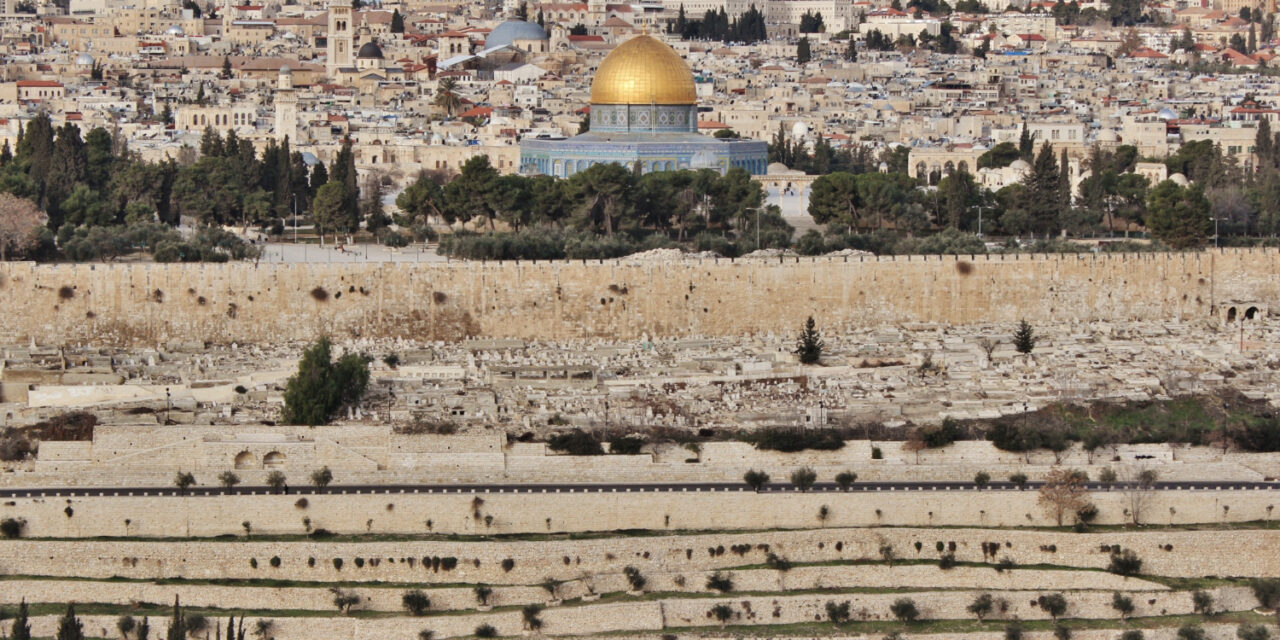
(643, 70)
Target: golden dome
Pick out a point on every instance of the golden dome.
(643, 70)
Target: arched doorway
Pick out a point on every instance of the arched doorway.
(1231, 314)
(1250, 313)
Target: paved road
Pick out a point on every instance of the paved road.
(822, 487)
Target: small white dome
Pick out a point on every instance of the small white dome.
(84, 60)
(1179, 180)
(1020, 165)
(285, 70)
(799, 130)
(176, 30)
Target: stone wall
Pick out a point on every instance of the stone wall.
(148, 303)
(1169, 553)
(559, 512)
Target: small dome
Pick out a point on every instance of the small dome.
(508, 32)
(776, 168)
(1179, 180)
(84, 60)
(285, 70)
(799, 130)
(370, 50)
(176, 30)
(1020, 165)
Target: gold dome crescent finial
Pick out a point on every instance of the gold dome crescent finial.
(643, 70)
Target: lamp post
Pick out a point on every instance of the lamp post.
(1215, 232)
(979, 221)
(295, 218)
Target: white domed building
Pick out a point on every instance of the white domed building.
(525, 36)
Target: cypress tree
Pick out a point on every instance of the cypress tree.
(70, 627)
(21, 629)
(809, 346)
(178, 624)
(1024, 339)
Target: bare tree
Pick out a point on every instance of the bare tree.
(19, 220)
(1063, 492)
(988, 346)
(1139, 488)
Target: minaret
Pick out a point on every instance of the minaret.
(596, 15)
(339, 38)
(286, 106)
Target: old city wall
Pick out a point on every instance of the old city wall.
(150, 303)
(1216, 553)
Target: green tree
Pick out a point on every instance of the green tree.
(981, 605)
(228, 479)
(183, 481)
(755, 479)
(1243, 632)
(803, 52)
(835, 200)
(904, 609)
(329, 211)
(322, 477)
(845, 479)
(1122, 604)
(322, 387)
(809, 345)
(177, 624)
(447, 96)
(837, 613)
(999, 156)
(803, 478)
(1024, 338)
(397, 22)
(1178, 216)
(70, 627)
(1202, 602)
(1053, 604)
(470, 195)
(21, 629)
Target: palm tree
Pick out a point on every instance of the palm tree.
(447, 97)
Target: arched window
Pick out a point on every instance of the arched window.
(273, 460)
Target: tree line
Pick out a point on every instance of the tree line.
(604, 211)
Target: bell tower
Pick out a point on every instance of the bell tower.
(340, 38)
(286, 106)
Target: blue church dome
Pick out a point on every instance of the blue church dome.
(508, 32)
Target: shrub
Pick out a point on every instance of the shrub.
(530, 615)
(721, 612)
(1053, 604)
(1202, 602)
(876, 453)
(789, 440)
(1006, 564)
(576, 443)
(183, 481)
(1252, 632)
(1132, 634)
(12, 527)
(415, 602)
(777, 562)
(981, 479)
(627, 446)
(1019, 479)
(337, 562)
(486, 631)
(1061, 632)
(1013, 632)
(1267, 591)
(845, 480)
(1191, 632)
(1125, 563)
(508, 564)
(947, 561)
(904, 609)
(482, 593)
(1122, 604)
(720, 582)
(391, 360)
(634, 578)
(275, 562)
(837, 613)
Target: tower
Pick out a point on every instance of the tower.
(596, 13)
(286, 106)
(340, 38)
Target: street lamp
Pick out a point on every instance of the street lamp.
(295, 218)
(1215, 231)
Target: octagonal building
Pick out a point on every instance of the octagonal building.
(644, 110)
